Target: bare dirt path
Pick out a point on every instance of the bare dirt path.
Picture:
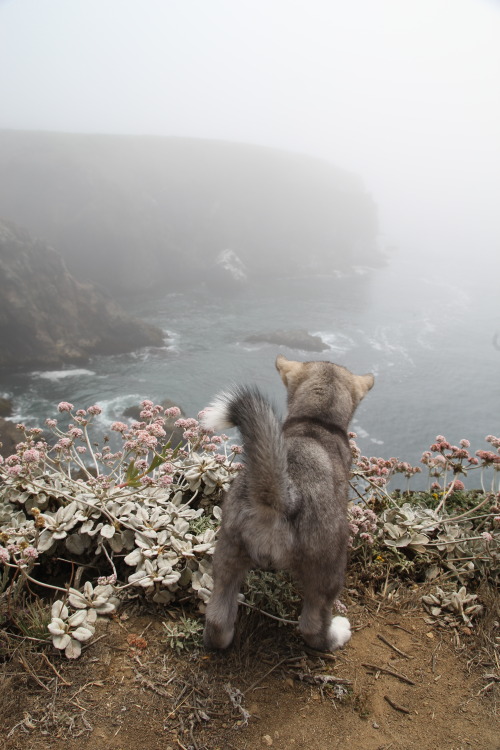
(129, 691)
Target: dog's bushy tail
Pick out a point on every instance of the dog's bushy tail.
(265, 452)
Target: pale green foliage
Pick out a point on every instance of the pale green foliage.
(147, 515)
(185, 634)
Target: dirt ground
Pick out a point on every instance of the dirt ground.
(129, 690)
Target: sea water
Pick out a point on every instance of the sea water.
(429, 334)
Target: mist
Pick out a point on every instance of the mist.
(404, 94)
(249, 176)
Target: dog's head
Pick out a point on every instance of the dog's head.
(323, 380)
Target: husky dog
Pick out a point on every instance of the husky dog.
(287, 509)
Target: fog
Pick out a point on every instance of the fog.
(403, 93)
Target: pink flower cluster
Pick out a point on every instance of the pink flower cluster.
(65, 406)
(29, 454)
(362, 524)
(403, 467)
(457, 459)
(377, 471)
(488, 458)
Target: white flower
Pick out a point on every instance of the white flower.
(202, 583)
(155, 571)
(204, 469)
(108, 530)
(69, 633)
(206, 541)
(58, 524)
(96, 599)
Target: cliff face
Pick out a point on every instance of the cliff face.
(134, 212)
(47, 318)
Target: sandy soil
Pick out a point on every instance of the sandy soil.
(129, 690)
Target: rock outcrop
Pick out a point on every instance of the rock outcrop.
(48, 318)
(5, 407)
(9, 437)
(299, 339)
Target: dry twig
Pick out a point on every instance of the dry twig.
(58, 674)
(28, 669)
(321, 679)
(396, 706)
(389, 671)
(394, 648)
(257, 682)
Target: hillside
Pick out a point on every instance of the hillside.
(47, 317)
(134, 212)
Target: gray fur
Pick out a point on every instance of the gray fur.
(287, 509)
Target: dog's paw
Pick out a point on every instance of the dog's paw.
(332, 637)
(340, 632)
(216, 637)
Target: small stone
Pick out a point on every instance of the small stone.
(375, 725)
(267, 740)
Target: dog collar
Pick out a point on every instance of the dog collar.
(332, 428)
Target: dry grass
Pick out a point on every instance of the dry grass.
(44, 695)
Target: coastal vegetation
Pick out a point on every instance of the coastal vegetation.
(140, 514)
(98, 535)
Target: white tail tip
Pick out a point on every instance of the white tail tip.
(216, 416)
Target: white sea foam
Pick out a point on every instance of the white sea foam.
(361, 270)
(426, 330)
(383, 340)
(56, 375)
(360, 432)
(147, 353)
(251, 347)
(113, 408)
(338, 342)
(172, 342)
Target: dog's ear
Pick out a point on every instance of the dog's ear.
(363, 384)
(288, 369)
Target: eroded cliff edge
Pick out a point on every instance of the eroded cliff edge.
(49, 318)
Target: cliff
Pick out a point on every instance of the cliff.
(133, 212)
(47, 317)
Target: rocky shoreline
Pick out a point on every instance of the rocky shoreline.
(49, 318)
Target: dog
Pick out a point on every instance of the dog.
(287, 510)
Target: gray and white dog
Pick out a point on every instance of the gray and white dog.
(287, 509)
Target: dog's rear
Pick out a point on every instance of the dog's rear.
(287, 510)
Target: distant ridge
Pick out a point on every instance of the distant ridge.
(136, 212)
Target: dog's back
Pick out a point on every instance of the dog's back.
(287, 510)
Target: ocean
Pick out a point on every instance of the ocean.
(430, 333)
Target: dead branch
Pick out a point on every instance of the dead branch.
(394, 648)
(396, 706)
(390, 672)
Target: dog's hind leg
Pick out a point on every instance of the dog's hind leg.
(230, 566)
(318, 628)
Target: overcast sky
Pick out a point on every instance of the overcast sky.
(404, 92)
